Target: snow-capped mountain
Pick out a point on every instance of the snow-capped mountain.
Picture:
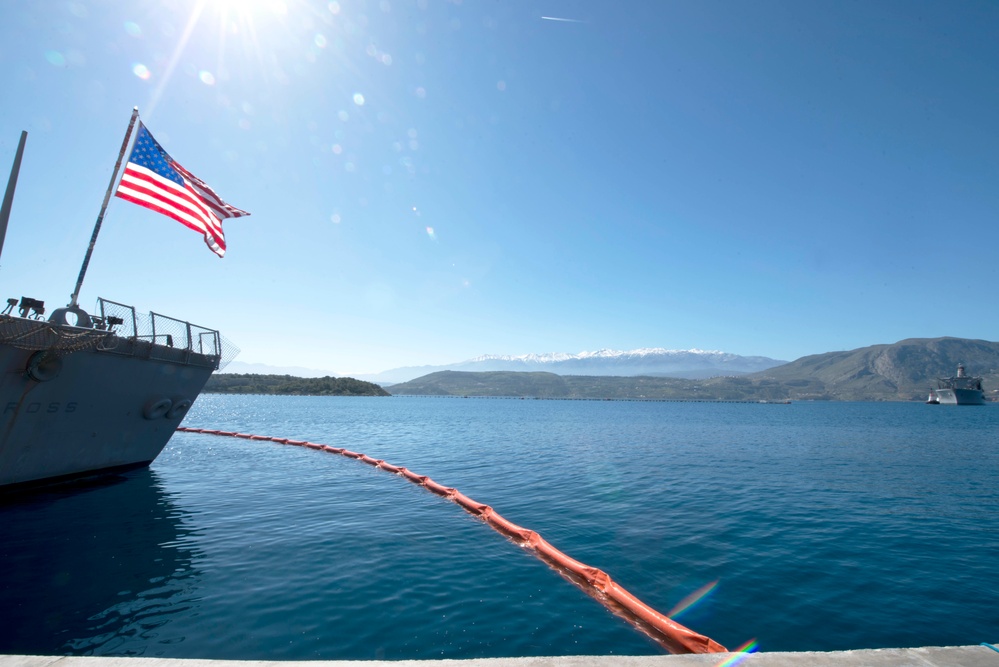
(692, 364)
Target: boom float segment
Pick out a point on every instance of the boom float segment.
(668, 633)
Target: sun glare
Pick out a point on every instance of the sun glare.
(248, 30)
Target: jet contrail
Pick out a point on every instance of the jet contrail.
(555, 18)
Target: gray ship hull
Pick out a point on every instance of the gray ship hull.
(80, 400)
(955, 396)
(91, 417)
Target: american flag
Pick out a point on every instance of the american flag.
(153, 179)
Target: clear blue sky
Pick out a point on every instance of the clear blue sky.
(433, 180)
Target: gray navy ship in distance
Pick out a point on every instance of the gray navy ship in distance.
(86, 393)
(960, 389)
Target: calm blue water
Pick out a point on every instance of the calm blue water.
(827, 526)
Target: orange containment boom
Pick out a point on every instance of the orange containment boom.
(672, 636)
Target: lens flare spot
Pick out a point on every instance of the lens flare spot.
(206, 77)
(692, 599)
(55, 58)
(244, 123)
(337, 149)
(343, 116)
(320, 40)
(141, 71)
(501, 86)
(133, 29)
(421, 92)
(359, 99)
(335, 218)
(334, 8)
(349, 166)
(431, 234)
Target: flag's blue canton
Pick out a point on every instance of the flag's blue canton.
(148, 153)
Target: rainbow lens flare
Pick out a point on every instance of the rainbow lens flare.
(692, 599)
(752, 646)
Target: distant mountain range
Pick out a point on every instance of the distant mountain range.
(905, 370)
(655, 362)
(899, 371)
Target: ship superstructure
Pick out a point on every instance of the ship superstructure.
(960, 389)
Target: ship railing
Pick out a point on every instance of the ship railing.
(160, 337)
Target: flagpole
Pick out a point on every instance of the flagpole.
(104, 208)
(8, 197)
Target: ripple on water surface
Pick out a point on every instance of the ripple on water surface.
(825, 526)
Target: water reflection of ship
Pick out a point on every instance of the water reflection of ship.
(93, 567)
(960, 389)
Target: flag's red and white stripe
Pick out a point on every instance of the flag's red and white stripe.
(186, 205)
(220, 208)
